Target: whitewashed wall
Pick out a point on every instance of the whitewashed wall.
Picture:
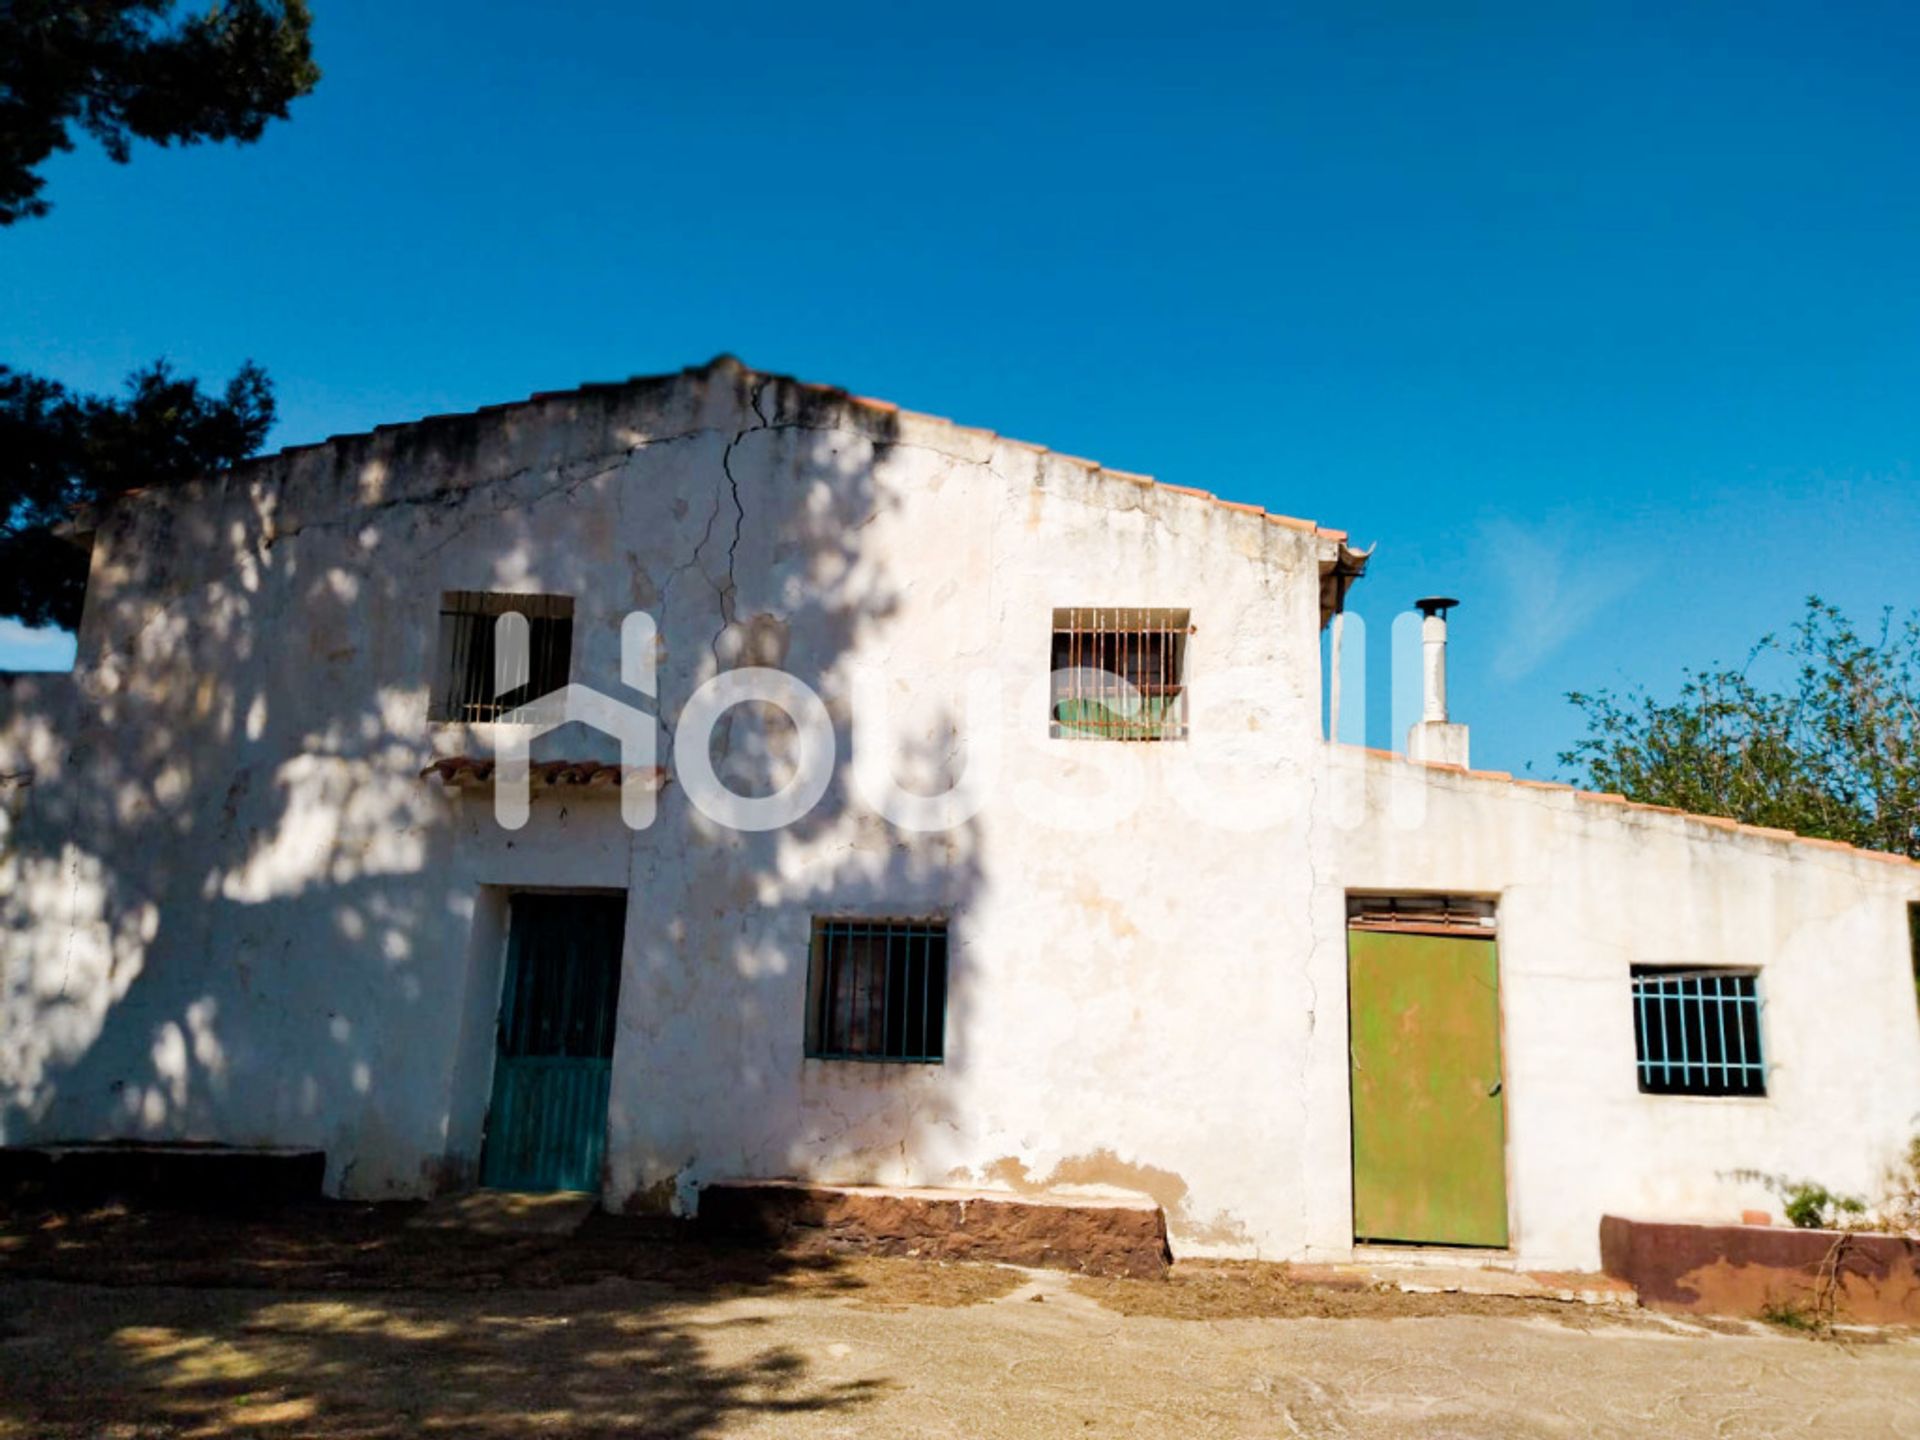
(230, 908)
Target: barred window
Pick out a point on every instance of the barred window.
(1697, 1032)
(1119, 674)
(465, 689)
(877, 990)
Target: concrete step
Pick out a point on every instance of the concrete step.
(1426, 1276)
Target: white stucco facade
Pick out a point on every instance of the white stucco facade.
(232, 908)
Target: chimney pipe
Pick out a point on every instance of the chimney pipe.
(1433, 655)
(1435, 738)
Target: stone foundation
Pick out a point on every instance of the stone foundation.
(1756, 1270)
(182, 1177)
(1095, 1236)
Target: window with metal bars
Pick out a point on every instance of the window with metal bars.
(467, 689)
(1697, 1032)
(877, 990)
(1119, 674)
(1913, 943)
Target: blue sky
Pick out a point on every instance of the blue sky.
(1606, 319)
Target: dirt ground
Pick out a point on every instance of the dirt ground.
(343, 1322)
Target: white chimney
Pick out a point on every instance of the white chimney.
(1435, 737)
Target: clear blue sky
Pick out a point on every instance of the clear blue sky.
(1605, 318)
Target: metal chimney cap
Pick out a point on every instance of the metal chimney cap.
(1434, 605)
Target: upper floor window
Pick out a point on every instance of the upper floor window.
(466, 687)
(1119, 674)
(1697, 1032)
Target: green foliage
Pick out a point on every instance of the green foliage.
(1811, 1206)
(1832, 752)
(1792, 1315)
(59, 451)
(124, 70)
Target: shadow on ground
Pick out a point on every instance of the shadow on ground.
(587, 1334)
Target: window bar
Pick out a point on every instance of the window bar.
(1176, 702)
(1659, 991)
(1073, 675)
(479, 664)
(1700, 1018)
(873, 977)
(1720, 1019)
(547, 633)
(1113, 645)
(886, 999)
(1680, 1028)
(1082, 711)
(450, 682)
(457, 681)
(926, 993)
(830, 991)
(516, 679)
(479, 679)
(841, 991)
(1646, 1033)
(852, 949)
(876, 974)
(537, 642)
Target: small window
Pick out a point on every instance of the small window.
(466, 687)
(1913, 947)
(1119, 674)
(877, 990)
(1697, 1032)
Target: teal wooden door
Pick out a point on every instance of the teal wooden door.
(547, 1121)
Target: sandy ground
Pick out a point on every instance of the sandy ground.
(728, 1345)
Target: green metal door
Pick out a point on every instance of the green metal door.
(1429, 1121)
(547, 1122)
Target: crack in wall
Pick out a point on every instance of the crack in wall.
(727, 591)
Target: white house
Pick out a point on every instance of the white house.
(255, 885)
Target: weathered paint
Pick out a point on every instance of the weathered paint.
(231, 909)
(1429, 1120)
(547, 1118)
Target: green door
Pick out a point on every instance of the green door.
(547, 1121)
(1429, 1121)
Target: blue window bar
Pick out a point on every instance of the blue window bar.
(1697, 1032)
(877, 990)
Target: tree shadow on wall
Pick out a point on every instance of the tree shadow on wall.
(234, 911)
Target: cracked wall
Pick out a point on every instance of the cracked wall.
(234, 911)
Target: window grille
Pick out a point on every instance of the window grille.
(466, 690)
(1119, 674)
(1697, 1032)
(1913, 942)
(877, 990)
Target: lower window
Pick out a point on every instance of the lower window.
(877, 990)
(1697, 1032)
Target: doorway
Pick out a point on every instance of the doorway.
(547, 1117)
(1429, 1112)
